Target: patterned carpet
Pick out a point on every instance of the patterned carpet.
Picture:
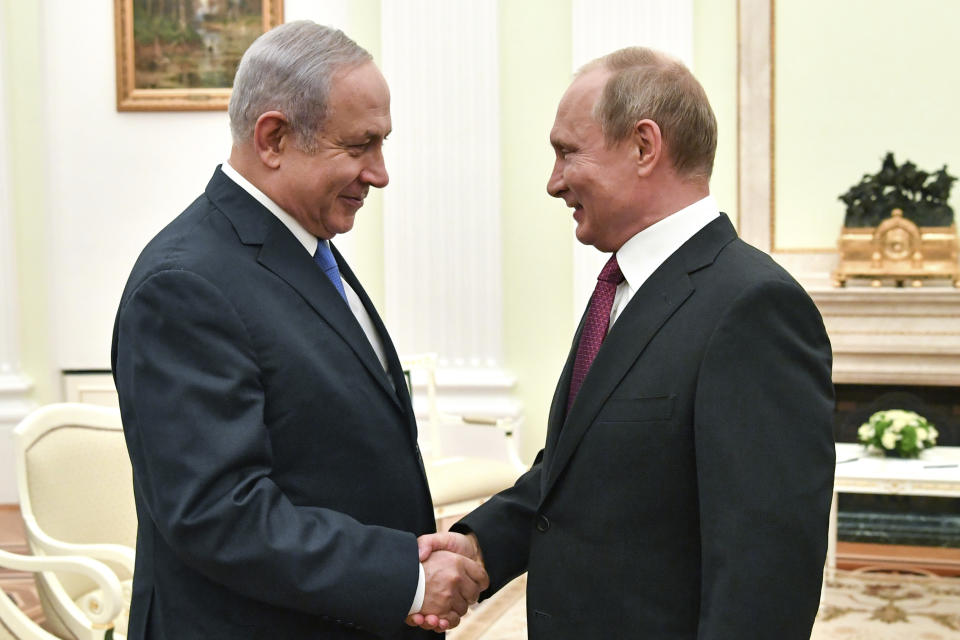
(866, 605)
(859, 605)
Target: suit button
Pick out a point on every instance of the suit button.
(543, 523)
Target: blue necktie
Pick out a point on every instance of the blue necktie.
(324, 258)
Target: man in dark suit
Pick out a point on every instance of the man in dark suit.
(278, 482)
(685, 485)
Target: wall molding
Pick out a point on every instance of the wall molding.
(15, 387)
(756, 130)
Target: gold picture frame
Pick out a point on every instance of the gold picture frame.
(196, 45)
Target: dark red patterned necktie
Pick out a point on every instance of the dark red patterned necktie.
(596, 325)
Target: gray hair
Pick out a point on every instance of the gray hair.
(290, 69)
(649, 84)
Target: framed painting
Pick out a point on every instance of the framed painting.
(181, 55)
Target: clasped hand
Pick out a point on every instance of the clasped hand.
(454, 576)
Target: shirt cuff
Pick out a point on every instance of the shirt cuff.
(418, 598)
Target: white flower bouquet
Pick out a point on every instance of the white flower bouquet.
(898, 433)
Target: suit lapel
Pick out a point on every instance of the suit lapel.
(401, 396)
(394, 370)
(283, 254)
(558, 408)
(651, 306)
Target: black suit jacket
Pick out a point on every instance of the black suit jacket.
(686, 495)
(278, 483)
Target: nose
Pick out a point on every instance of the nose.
(555, 184)
(375, 173)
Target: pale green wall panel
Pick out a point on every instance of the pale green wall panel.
(367, 234)
(537, 262)
(23, 59)
(715, 65)
(535, 49)
(855, 79)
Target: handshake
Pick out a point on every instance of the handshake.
(454, 577)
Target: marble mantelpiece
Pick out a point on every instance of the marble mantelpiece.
(891, 335)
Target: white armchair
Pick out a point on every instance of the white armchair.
(75, 487)
(16, 625)
(459, 483)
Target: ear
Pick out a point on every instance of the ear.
(648, 142)
(271, 135)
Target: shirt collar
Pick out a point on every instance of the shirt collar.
(307, 239)
(642, 254)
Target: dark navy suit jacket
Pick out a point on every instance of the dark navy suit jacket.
(278, 483)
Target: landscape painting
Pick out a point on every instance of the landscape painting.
(183, 54)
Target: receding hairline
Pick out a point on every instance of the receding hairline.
(337, 78)
(629, 57)
(625, 59)
(647, 83)
(577, 78)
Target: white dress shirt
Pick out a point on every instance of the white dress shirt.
(643, 254)
(310, 242)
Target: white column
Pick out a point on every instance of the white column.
(443, 276)
(601, 27)
(756, 130)
(15, 387)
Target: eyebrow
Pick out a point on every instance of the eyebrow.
(376, 135)
(366, 137)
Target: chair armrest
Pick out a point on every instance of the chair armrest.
(118, 554)
(500, 423)
(505, 425)
(100, 573)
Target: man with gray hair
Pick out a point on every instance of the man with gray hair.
(684, 489)
(279, 486)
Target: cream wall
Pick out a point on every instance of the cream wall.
(26, 138)
(715, 65)
(127, 172)
(81, 168)
(89, 186)
(853, 80)
(111, 180)
(76, 164)
(535, 49)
